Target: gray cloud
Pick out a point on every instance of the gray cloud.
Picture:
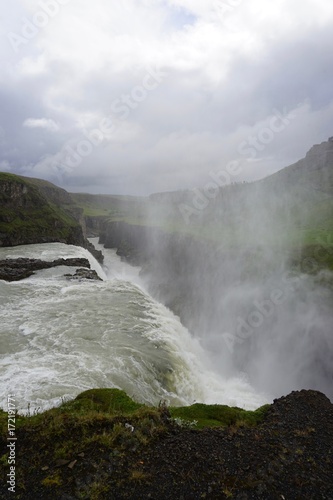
(221, 81)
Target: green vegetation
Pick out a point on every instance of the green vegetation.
(28, 216)
(110, 206)
(104, 404)
(219, 415)
(113, 401)
(104, 424)
(279, 212)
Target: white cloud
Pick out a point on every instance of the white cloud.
(45, 123)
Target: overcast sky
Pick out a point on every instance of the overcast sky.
(141, 96)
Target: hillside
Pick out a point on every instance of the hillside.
(35, 211)
(290, 212)
(293, 206)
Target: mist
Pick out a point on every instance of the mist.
(250, 274)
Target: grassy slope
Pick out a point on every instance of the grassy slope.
(99, 420)
(36, 216)
(108, 205)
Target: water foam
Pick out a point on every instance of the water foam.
(61, 337)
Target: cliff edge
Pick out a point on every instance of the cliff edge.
(28, 216)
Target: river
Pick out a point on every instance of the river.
(59, 337)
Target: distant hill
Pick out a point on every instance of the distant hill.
(95, 205)
(294, 204)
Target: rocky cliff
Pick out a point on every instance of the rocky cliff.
(36, 211)
(95, 225)
(27, 216)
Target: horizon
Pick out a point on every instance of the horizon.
(185, 189)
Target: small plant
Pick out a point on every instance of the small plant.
(185, 424)
(51, 481)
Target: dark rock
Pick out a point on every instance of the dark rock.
(95, 225)
(18, 269)
(94, 252)
(87, 274)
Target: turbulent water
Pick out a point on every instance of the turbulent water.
(61, 336)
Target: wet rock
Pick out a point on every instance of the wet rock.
(87, 274)
(18, 269)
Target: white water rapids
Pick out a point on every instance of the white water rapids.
(59, 337)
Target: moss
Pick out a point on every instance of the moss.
(52, 481)
(218, 415)
(112, 401)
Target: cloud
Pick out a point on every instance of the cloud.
(4, 166)
(227, 66)
(45, 123)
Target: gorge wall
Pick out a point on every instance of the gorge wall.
(36, 211)
(253, 310)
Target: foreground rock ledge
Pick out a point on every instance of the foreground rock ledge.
(103, 445)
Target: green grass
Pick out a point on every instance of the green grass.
(113, 401)
(28, 215)
(105, 404)
(219, 415)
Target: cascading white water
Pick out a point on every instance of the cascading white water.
(60, 337)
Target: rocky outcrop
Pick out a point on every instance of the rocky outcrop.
(133, 242)
(18, 269)
(84, 274)
(94, 252)
(95, 225)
